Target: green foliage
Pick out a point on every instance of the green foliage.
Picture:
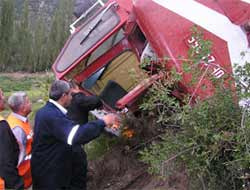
(32, 47)
(23, 45)
(60, 28)
(211, 138)
(99, 146)
(9, 84)
(210, 142)
(159, 103)
(40, 50)
(243, 79)
(6, 32)
(210, 129)
(202, 48)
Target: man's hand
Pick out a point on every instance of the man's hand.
(111, 120)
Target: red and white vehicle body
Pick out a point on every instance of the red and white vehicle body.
(104, 52)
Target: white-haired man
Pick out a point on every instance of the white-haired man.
(20, 105)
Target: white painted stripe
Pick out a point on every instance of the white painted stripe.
(28, 157)
(214, 22)
(72, 134)
(246, 1)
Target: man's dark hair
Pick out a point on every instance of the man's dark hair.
(58, 88)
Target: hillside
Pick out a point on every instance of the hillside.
(38, 8)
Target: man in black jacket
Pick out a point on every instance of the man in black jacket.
(80, 105)
(9, 152)
(78, 111)
(55, 135)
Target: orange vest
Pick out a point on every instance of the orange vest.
(1, 184)
(1, 179)
(24, 168)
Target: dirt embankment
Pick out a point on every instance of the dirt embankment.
(120, 168)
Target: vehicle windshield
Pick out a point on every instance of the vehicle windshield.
(88, 35)
(101, 50)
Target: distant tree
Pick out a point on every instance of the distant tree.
(39, 47)
(6, 32)
(32, 47)
(59, 30)
(25, 39)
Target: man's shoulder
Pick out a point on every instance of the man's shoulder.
(4, 126)
(49, 110)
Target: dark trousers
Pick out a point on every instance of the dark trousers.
(79, 173)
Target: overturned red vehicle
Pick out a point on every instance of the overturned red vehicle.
(104, 52)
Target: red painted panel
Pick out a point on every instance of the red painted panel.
(236, 10)
(168, 32)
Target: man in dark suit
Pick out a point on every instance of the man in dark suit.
(54, 135)
(9, 152)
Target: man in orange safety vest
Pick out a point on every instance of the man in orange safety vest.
(18, 121)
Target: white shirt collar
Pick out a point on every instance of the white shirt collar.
(20, 117)
(60, 107)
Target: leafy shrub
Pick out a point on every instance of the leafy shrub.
(211, 138)
(210, 141)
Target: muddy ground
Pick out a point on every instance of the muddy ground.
(121, 168)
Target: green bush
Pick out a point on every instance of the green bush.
(211, 139)
(210, 142)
